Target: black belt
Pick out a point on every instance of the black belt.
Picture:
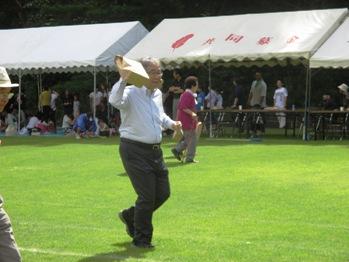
(140, 144)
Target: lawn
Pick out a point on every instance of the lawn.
(273, 200)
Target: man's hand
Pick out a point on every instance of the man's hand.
(177, 126)
(178, 132)
(125, 74)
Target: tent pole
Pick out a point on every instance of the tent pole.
(38, 88)
(19, 99)
(209, 90)
(307, 103)
(107, 87)
(94, 91)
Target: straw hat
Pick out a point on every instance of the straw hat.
(4, 79)
(343, 87)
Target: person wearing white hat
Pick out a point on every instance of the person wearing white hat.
(8, 248)
(344, 90)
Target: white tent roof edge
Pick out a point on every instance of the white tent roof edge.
(94, 49)
(238, 43)
(334, 52)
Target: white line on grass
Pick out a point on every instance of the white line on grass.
(73, 254)
(65, 226)
(243, 221)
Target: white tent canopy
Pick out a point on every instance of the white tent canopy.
(67, 48)
(250, 39)
(334, 53)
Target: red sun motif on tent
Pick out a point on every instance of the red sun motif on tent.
(181, 41)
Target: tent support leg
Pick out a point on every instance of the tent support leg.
(19, 101)
(94, 91)
(209, 90)
(307, 103)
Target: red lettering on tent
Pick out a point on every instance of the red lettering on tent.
(235, 38)
(181, 41)
(209, 41)
(264, 40)
(292, 39)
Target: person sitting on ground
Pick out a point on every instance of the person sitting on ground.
(85, 126)
(11, 123)
(104, 129)
(2, 122)
(67, 124)
(32, 123)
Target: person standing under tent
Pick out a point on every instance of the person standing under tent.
(280, 102)
(176, 90)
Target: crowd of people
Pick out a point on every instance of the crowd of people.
(44, 121)
(74, 122)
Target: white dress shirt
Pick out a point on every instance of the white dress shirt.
(142, 113)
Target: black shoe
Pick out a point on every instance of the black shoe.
(142, 245)
(176, 154)
(129, 226)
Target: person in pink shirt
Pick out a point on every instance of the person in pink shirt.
(186, 113)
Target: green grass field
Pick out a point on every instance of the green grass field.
(275, 200)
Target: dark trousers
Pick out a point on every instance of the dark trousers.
(148, 173)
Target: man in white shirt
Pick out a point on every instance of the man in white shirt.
(54, 96)
(95, 99)
(142, 121)
(257, 100)
(280, 99)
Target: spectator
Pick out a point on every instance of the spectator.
(95, 100)
(200, 99)
(189, 119)
(219, 103)
(176, 89)
(280, 101)
(54, 96)
(67, 101)
(76, 106)
(212, 99)
(45, 103)
(68, 123)
(85, 126)
(344, 91)
(257, 100)
(238, 94)
(327, 102)
(11, 123)
(2, 122)
(258, 92)
(33, 122)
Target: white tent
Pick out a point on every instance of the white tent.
(334, 53)
(250, 39)
(241, 40)
(67, 48)
(75, 48)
